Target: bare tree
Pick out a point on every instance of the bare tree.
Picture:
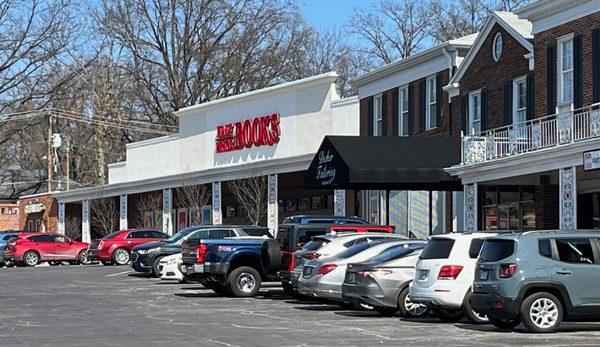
(251, 193)
(193, 197)
(146, 203)
(104, 215)
(73, 227)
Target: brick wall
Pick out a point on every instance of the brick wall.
(582, 26)
(9, 221)
(485, 72)
(49, 216)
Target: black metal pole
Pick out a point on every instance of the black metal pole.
(387, 207)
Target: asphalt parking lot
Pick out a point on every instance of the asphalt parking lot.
(105, 306)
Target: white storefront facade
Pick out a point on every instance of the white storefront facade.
(272, 133)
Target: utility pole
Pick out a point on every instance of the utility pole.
(49, 156)
(68, 164)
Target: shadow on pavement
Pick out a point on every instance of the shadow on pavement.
(198, 295)
(361, 314)
(564, 328)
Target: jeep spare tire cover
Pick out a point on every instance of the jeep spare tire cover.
(271, 259)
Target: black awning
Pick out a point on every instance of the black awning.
(384, 163)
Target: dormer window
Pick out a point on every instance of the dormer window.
(497, 47)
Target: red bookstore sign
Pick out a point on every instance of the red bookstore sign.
(260, 131)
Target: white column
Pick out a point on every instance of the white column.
(272, 204)
(339, 202)
(167, 201)
(470, 207)
(458, 211)
(61, 218)
(85, 221)
(216, 203)
(123, 212)
(568, 198)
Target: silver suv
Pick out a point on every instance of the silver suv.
(538, 278)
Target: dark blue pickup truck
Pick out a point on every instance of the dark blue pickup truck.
(227, 266)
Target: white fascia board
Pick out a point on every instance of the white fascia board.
(569, 11)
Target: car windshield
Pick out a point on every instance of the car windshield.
(181, 235)
(393, 253)
(495, 250)
(315, 244)
(112, 235)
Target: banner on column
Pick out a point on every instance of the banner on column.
(339, 202)
(167, 222)
(272, 204)
(568, 198)
(470, 194)
(85, 221)
(61, 218)
(123, 212)
(216, 203)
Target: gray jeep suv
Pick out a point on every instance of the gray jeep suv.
(538, 278)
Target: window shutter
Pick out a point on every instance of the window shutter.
(384, 114)
(530, 100)
(411, 108)
(438, 101)
(395, 105)
(463, 113)
(370, 117)
(596, 65)
(551, 79)
(422, 103)
(508, 100)
(577, 72)
(484, 110)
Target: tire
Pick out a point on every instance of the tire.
(82, 258)
(270, 256)
(244, 282)
(449, 316)
(217, 288)
(541, 312)
(121, 256)
(504, 324)
(106, 262)
(471, 315)
(155, 269)
(31, 258)
(409, 309)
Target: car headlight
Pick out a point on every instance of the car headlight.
(146, 251)
(171, 261)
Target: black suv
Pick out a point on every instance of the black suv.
(538, 278)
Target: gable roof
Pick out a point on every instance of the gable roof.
(518, 28)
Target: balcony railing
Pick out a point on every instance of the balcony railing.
(532, 135)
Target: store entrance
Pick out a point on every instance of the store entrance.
(508, 207)
(588, 211)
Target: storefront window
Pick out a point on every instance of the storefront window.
(514, 208)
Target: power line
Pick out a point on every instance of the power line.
(74, 113)
(113, 125)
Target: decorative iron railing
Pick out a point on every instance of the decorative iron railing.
(532, 135)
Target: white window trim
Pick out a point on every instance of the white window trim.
(560, 105)
(377, 113)
(428, 125)
(400, 110)
(494, 55)
(470, 119)
(515, 97)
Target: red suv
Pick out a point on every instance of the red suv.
(32, 248)
(116, 247)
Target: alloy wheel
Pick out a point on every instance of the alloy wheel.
(31, 259)
(544, 313)
(246, 282)
(122, 257)
(413, 308)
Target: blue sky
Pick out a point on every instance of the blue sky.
(328, 14)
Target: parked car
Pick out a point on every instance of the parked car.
(169, 268)
(115, 248)
(146, 257)
(323, 278)
(322, 219)
(230, 266)
(445, 273)
(322, 247)
(382, 281)
(4, 237)
(32, 248)
(538, 278)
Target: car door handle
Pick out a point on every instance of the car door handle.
(564, 272)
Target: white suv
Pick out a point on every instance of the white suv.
(444, 275)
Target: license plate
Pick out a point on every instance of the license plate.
(423, 274)
(483, 275)
(351, 277)
(307, 271)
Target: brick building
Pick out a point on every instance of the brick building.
(38, 212)
(9, 215)
(531, 119)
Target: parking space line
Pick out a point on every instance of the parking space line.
(119, 273)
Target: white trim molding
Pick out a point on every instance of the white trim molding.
(568, 198)
(470, 206)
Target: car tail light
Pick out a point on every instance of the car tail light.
(325, 269)
(449, 272)
(201, 255)
(367, 274)
(292, 263)
(507, 270)
(310, 256)
(11, 244)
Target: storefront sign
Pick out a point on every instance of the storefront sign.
(34, 208)
(591, 160)
(325, 171)
(260, 131)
